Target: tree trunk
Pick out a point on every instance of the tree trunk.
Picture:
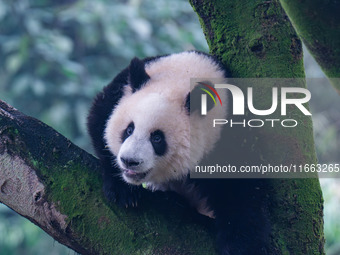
(254, 39)
(318, 24)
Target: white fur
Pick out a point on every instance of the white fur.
(160, 105)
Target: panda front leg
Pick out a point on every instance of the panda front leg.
(241, 237)
(116, 190)
(242, 220)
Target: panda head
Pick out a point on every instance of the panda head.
(148, 131)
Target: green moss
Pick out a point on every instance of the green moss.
(35, 163)
(243, 41)
(306, 198)
(77, 193)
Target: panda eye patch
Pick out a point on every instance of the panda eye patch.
(128, 131)
(158, 142)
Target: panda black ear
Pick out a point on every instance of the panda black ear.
(137, 74)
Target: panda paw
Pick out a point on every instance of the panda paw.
(122, 194)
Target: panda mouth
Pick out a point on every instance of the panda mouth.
(135, 175)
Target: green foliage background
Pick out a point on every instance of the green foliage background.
(56, 55)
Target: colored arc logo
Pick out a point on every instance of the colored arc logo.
(213, 90)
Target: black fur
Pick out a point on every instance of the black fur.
(137, 74)
(115, 189)
(159, 145)
(242, 223)
(128, 131)
(187, 103)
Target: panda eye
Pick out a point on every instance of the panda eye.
(128, 131)
(158, 142)
(156, 138)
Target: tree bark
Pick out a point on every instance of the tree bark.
(56, 185)
(254, 39)
(318, 24)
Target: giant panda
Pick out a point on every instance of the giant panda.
(140, 130)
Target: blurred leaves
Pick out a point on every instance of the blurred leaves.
(19, 236)
(331, 193)
(56, 55)
(325, 106)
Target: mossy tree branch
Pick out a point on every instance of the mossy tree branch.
(318, 24)
(56, 185)
(254, 39)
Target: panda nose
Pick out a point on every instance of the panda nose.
(128, 162)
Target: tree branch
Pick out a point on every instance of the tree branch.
(318, 23)
(56, 185)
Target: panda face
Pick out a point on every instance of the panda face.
(150, 130)
(149, 136)
(139, 152)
